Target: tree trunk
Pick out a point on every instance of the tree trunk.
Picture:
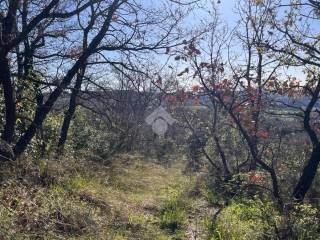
(275, 189)
(308, 175)
(43, 110)
(227, 172)
(70, 112)
(310, 169)
(254, 155)
(10, 107)
(275, 184)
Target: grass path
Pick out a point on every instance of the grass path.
(140, 191)
(131, 199)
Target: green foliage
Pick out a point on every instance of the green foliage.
(82, 133)
(196, 143)
(207, 223)
(50, 131)
(211, 196)
(247, 220)
(76, 183)
(163, 146)
(173, 216)
(84, 201)
(161, 203)
(305, 222)
(120, 237)
(255, 219)
(89, 133)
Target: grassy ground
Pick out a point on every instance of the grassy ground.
(131, 199)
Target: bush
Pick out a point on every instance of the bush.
(173, 216)
(305, 222)
(260, 220)
(247, 220)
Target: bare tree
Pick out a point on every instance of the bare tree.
(129, 39)
(240, 89)
(48, 54)
(298, 46)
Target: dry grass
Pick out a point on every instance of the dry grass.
(77, 199)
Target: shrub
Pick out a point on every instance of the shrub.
(173, 216)
(305, 222)
(247, 220)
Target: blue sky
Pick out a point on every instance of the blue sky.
(228, 14)
(226, 9)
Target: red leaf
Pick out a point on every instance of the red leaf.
(263, 134)
(195, 88)
(254, 177)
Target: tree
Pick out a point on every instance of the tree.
(241, 94)
(123, 51)
(298, 46)
(40, 33)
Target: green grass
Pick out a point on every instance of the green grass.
(131, 199)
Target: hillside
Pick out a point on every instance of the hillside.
(130, 199)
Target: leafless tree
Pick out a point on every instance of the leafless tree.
(297, 46)
(48, 44)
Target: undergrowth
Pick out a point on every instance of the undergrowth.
(132, 198)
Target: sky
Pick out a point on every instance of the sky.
(228, 15)
(226, 9)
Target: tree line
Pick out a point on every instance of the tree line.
(49, 48)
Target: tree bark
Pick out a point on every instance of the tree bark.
(310, 169)
(275, 184)
(8, 91)
(308, 175)
(43, 110)
(227, 172)
(70, 112)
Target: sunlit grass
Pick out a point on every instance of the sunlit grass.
(123, 201)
